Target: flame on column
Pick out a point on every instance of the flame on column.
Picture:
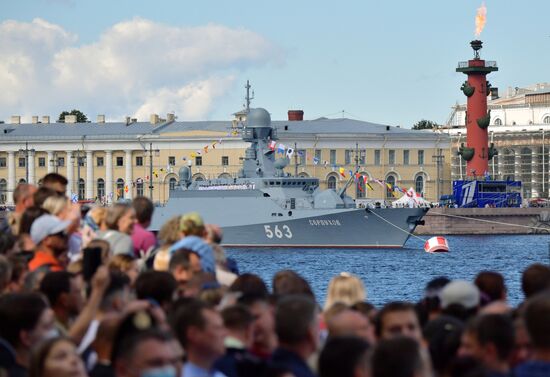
(481, 18)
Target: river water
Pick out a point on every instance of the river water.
(401, 274)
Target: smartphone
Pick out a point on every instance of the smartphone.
(91, 260)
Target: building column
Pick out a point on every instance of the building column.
(109, 176)
(30, 161)
(70, 172)
(51, 166)
(89, 175)
(500, 164)
(534, 172)
(517, 165)
(11, 177)
(128, 177)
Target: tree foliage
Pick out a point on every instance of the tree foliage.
(425, 125)
(80, 116)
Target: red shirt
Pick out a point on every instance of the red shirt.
(42, 258)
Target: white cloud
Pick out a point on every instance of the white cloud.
(135, 67)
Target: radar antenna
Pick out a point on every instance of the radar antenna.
(248, 97)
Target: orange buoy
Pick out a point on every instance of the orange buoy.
(436, 245)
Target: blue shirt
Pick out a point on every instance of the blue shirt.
(533, 368)
(192, 370)
(292, 361)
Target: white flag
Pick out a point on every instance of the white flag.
(289, 152)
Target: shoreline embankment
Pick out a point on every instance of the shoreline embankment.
(464, 221)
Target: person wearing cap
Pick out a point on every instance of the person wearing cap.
(460, 299)
(201, 248)
(49, 233)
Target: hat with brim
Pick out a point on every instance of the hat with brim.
(460, 292)
(45, 226)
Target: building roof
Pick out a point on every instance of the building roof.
(120, 130)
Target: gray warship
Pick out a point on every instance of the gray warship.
(267, 207)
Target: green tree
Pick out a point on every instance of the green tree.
(425, 125)
(80, 116)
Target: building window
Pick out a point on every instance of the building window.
(81, 161)
(99, 161)
(333, 156)
(3, 190)
(22, 180)
(172, 160)
(81, 189)
(100, 188)
(199, 177)
(360, 188)
(172, 183)
(419, 184)
(498, 122)
(362, 156)
(21, 162)
(120, 188)
(377, 157)
(61, 161)
(546, 119)
(331, 182)
(347, 156)
(225, 160)
(390, 180)
(139, 188)
(406, 157)
(120, 161)
(139, 160)
(421, 157)
(318, 154)
(2, 162)
(198, 161)
(391, 157)
(41, 162)
(301, 157)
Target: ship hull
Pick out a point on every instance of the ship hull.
(251, 220)
(351, 229)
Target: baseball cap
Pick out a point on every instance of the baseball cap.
(460, 292)
(45, 226)
(203, 250)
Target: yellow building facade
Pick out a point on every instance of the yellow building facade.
(109, 161)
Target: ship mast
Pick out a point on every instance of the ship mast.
(248, 97)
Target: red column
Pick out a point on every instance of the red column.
(477, 137)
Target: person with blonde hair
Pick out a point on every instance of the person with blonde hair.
(56, 205)
(345, 288)
(168, 235)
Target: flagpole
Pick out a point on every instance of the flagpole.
(295, 161)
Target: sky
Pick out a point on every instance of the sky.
(378, 61)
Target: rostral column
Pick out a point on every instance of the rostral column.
(477, 151)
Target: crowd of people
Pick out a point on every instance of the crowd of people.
(92, 292)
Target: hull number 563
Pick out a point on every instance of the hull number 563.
(282, 232)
